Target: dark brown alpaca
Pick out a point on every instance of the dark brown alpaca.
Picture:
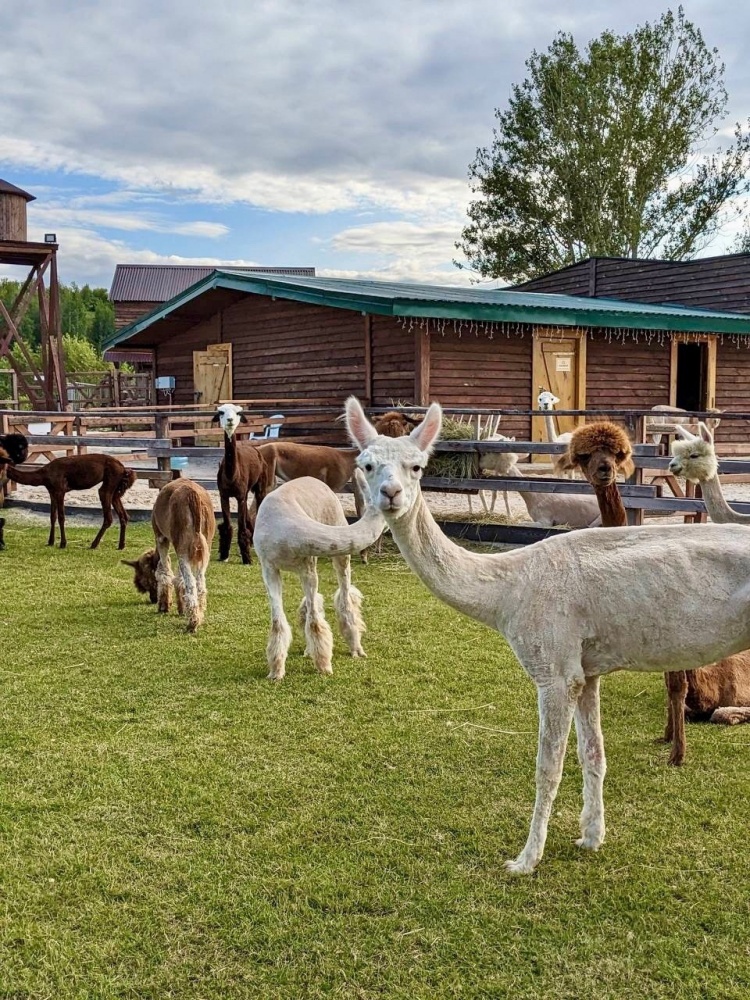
(80, 472)
(241, 471)
(14, 449)
(601, 450)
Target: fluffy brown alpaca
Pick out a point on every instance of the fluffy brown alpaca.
(14, 449)
(80, 472)
(182, 517)
(395, 424)
(601, 450)
(242, 471)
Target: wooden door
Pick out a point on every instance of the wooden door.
(212, 373)
(559, 365)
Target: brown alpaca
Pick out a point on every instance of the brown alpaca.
(241, 471)
(183, 517)
(80, 472)
(395, 424)
(601, 450)
(14, 449)
(694, 694)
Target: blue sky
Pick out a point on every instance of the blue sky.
(279, 132)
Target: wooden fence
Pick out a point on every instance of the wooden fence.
(149, 438)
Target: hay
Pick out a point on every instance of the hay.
(460, 465)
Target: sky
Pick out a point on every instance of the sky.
(334, 134)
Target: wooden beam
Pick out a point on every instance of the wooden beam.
(421, 366)
(368, 360)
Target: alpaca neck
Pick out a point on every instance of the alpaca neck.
(611, 506)
(549, 423)
(26, 477)
(230, 455)
(352, 538)
(464, 580)
(717, 507)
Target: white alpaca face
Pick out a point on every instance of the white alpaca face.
(392, 466)
(229, 418)
(693, 456)
(546, 400)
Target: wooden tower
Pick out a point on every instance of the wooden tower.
(45, 387)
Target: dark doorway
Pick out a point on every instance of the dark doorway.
(692, 376)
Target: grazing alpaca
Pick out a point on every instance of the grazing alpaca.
(694, 457)
(492, 463)
(601, 450)
(183, 517)
(241, 470)
(14, 449)
(394, 424)
(573, 608)
(669, 416)
(299, 522)
(80, 472)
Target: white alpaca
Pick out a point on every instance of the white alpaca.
(496, 463)
(297, 523)
(572, 608)
(546, 401)
(669, 417)
(694, 458)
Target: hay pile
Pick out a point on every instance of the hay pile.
(459, 465)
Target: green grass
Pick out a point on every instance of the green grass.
(174, 825)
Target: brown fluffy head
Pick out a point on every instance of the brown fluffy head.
(600, 450)
(145, 573)
(395, 424)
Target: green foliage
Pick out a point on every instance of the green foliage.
(85, 313)
(174, 825)
(601, 153)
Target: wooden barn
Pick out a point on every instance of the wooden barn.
(272, 337)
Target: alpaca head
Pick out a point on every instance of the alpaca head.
(229, 417)
(600, 450)
(693, 456)
(392, 466)
(395, 424)
(546, 400)
(14, 449)
(145, 573)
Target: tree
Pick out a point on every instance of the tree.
(606, 153)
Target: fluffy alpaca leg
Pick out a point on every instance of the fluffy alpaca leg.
(557, 702)
(347, 602)
(302, 619)
(593, 764)
(200, 582)
(190, 596)
(280, 635)
(163, 577)
(317, 630)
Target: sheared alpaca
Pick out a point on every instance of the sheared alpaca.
(547, 510)
(546, 401)
(573, 608)
(601, 450)
(492, 463)
(80, 472)
(299, 522)
(241, 471)
(14, 449)
(670, 416)
(183, 517)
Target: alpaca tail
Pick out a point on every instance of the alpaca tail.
(127, 479)
(200, 551)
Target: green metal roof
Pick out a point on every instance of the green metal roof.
(389, 298)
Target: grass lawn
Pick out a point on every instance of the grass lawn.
(174, 825)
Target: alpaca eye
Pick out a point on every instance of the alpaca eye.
(694, 456)
(583, 458)
(416, 468)
(368, 467)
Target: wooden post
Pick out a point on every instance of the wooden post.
(421, 367)
(162, 431)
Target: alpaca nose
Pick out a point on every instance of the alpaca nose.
(390, 490)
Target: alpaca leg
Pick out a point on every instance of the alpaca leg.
(52, 519)
(225, 530)
(317, 630)
(730, 716)
(123, 518)
(244, 532)
(557, 702)
(593, 764)
(61, 522)
(302, 619)
(106, 502)
(507, 504)
(163, 576)
(190, 596)
(674, 732)
(347, 602)
(280, 635)
(200, 583)
(2, 534)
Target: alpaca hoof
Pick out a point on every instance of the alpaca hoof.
(324, 668)
(64, 545)
(121, 546)
(592, 842)
(359, 654)
(675, 761)
(519, 866)
(275, 676)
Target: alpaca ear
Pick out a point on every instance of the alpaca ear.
(243, 418)
(426, 433)
(683, 433)
(360, 429)
(704, 433)
(216, 418)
